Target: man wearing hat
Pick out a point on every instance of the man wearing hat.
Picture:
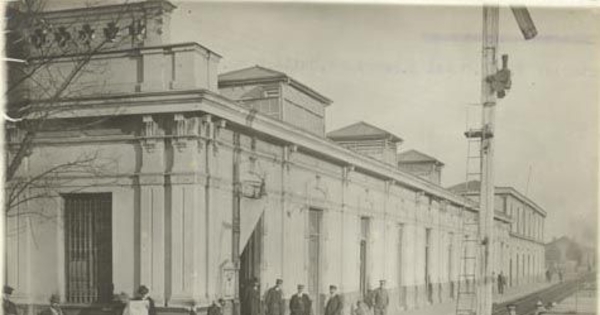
(274, 303)
(251, 298)
(54, 308)
(380, 299)
(300, 304)
(8, 306)
(335, 304)
(216, 308)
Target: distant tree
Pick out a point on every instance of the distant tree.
(574, 252)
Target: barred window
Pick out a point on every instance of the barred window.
(88, 248)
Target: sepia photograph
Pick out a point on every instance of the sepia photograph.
(192, 157)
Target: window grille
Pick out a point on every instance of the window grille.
(88, 248)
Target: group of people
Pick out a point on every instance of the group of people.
(274, 304)
(300, 303)
(141, 304)
(375, 303)
(10, 308)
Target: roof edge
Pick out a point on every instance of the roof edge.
(365, 137)
(277, 77)
(388, 135)
(163, 4)
(523, 198)
(436, 162)
(311, 92)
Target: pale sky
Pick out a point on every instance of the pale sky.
(413, 70)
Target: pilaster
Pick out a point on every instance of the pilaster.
(344, 281)
(187, 217)
(286, 274)
(152, 212)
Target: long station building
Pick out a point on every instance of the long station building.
(196, 182)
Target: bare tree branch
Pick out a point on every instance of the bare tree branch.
(52, 85)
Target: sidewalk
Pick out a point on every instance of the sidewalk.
(450, 307)
(514, 293)
(435, 309)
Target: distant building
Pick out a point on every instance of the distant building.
(522, 254)
(277, 95)
(369, 140)
(422, 165)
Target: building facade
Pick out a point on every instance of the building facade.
(193, 183)
(523, 253)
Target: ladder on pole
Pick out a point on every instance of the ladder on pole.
(466, 301)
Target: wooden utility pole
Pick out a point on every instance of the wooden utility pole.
(486, 208)
(494, 83)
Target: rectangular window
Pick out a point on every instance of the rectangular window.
(450, 263)
(315, 219)
(88, 248)
(401, 294)
(427, 253)
(364, 243)
(428, 283)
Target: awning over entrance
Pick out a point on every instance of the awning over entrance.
(250, 212)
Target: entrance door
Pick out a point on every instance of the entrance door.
(250, 261)
(88, 248)
(315, 218)
(510, 273)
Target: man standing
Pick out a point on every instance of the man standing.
(251, 299)
(560, 275)
(501, 283)
(54, 308)
(8, 306)
(335, 303)
(300, 304)
(216, 308)
(548, 275)
(380, 299)
(274, 300)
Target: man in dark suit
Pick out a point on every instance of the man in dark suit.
(380, 299)
(54, 308)
(8, 306)
(251, 299)
(274, 303)
(335, 303)
(300, 304)
(216, 308)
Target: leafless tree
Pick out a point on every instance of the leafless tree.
(46, 60)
